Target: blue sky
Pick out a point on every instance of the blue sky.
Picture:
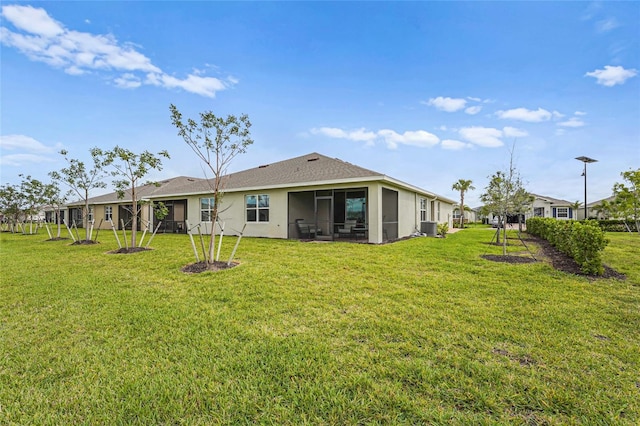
(425, 92)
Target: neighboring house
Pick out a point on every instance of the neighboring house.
(470, 216)
(544, 206)
(592, 210)
(311, 196)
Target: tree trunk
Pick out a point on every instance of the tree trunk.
(86, 215)
(461, 209)
(134, 219)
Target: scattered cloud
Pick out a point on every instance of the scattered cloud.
(36, 152)
(580, 113)
(572, 122)
(512, 132)
(455, 145)
(391, 138)
(610, 75)
(447, 104)
(607, 25)
(473, 110)
(524, 114)
(41, 38)
(483, 136)
(25, 143)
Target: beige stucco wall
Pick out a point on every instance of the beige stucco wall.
(233, 211)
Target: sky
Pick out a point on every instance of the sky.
(425, 92)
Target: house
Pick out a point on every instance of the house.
(470, 215)
(594, 210)
(544, 206)
(311, 196)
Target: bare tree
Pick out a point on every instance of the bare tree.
(216, 141)
(56, 199)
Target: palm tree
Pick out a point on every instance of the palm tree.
(463, 186)
(575, 207)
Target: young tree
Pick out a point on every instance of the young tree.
(82, 180)
(128, 169)
(33, 191)
(575, 207)
(12, 204)
(216, 141)
(628, 196)
(501, 196)
(463, 186)
(55, 198)
(605, 208)
(521, 203)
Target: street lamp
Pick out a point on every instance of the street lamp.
(585, 160)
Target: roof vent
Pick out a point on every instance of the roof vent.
(313, 159)
(263, 166)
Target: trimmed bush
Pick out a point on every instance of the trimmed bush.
(616, 225)
(584, 240)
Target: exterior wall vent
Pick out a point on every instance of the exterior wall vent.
(263, 166)
(313, 159)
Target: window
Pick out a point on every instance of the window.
(108, 213)
(90, 216)
(538, 212)
(206, 209)
(456, 214)
(356, 206)
(562, 212)
(257, 208)
(438, 211)
(423, 210)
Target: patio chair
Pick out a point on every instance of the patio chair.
(347, 228)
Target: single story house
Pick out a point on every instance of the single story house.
(594, 210)
(544, 206)
(308, 197)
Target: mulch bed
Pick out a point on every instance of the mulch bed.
(84, 243)
(57, 239)
(556, 258)
(199, 267)
(129, 250)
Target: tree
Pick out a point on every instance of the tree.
(82, 180)
(56, 199)
(130, 168)
(521, 202)
(463, 186)
(33, 191)
(575, 207)
(12, 203)
(605, 208)
(628, 196)
(216, 141)
(504, 195)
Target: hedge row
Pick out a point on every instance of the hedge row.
(584, 240)
(616, 225)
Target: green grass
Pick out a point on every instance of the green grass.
(420, 331)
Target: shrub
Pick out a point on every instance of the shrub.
(616, 225)
(443, 228)
(584, 241)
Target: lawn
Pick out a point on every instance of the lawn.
(419, 331)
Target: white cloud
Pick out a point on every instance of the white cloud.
(43, 39)
(524, 114)
(24, 143)
(483, 136)
(607, 25)
(22, 159)
(512, 132)
(447, 104)
(455, 145)
(419, 138)
(127, 81)
(572, 122)
(610, 75)
(473, 110)
(580, 113)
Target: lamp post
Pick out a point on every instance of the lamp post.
(585, 160)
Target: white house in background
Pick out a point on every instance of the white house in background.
(470, 215)
(544, 206)
(592, 211)
(311, 197)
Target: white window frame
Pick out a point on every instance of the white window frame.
(108, 213)
(208, 210)
(90, 215)
(565, 211)
(262, 205)
(423, 209)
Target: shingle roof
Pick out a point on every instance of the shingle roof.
(552, 200)
(307, 169)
